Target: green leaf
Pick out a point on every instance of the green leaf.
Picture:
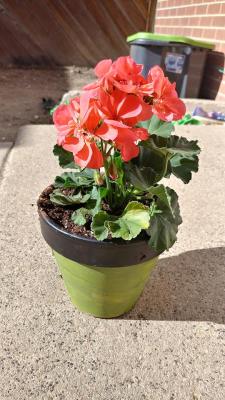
(93, 206)
(65, 157)
(75, 179)
(176, 145)
(95, 201)
(156, 126)
(144, 124)
(101, 194)
(140, 177)
(148, 168)
(59, 198)
(182, 167)
(161, 192)
(134, 218)
(184, 155)
(164, 223)
(80, 216)
(159, 127)
(98, 225)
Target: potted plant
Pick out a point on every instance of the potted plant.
(110, 217)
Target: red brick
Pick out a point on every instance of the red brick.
(162, 13)
(206, 21)
(219, 21)
(214, 8)
(197, 32)
(200, 10)
(220, 34)
(181, 12)
(208, 33)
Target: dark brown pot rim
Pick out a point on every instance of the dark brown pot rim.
(89, 251)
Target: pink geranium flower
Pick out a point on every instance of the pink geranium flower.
(165, 103)
(123, 73)
(123, 107)
(121, 112)
(82, 123)
(156, 91)
(110, 109)
(76, 132)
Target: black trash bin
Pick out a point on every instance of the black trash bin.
(181, 58)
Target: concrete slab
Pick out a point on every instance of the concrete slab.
(4, 149)
(170, 347)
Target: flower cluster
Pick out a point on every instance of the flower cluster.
(109, 110)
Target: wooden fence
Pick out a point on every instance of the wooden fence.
(65, 32)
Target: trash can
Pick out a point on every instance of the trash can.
(181, 58)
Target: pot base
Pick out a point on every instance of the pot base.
(104, 292)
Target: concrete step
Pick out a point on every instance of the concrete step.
(170, 346)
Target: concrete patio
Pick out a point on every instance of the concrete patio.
(171, 346)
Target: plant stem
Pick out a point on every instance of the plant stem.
(168, 156)
(106, 168)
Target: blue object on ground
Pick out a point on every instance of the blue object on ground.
(199, 112)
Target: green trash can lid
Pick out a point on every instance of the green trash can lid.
(169, 38)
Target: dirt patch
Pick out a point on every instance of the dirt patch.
(22, 92)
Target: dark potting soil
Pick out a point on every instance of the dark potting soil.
(61, 215)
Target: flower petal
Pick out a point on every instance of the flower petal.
(106, 132)
(62, 115)
(74, 144)
(126, 143)
(129, 106)
(103, 67)
(64, 122)
(89, 157)
(127, 68)
(96, 160)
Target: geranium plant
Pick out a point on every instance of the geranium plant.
(108, 218)
(117, 138)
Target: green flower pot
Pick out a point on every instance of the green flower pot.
(104, 279)
(104, 292)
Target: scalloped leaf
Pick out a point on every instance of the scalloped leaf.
(156, 126)
(59, 198)
(184, 155)
(75, 179)
(134, 218)
(98, 225)
(164, 223)
(161, 192)
(80, 216)
(148, 168)
(65, 157)
(93, 206)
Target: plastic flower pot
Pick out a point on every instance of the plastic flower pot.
(104, 279)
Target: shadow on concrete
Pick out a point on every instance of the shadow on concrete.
(187, 287)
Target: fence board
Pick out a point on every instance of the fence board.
(65, 32)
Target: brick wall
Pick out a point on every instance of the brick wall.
(203, 20)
